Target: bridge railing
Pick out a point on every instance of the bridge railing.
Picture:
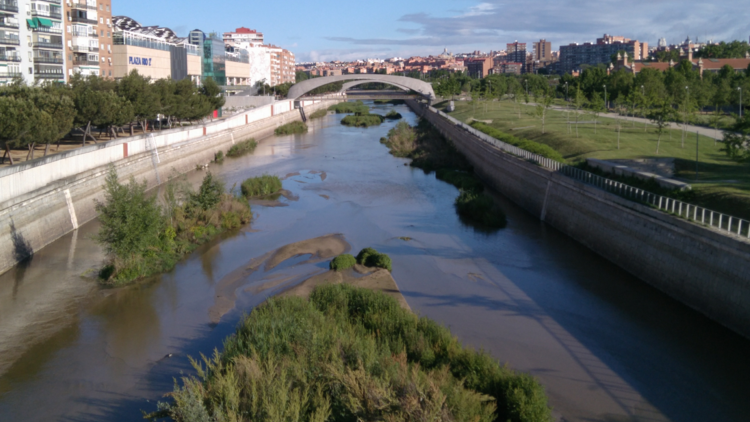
(724, 223)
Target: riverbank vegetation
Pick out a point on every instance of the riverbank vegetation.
(394, 102)
(142, 238)
(260, 186)
(369, 257)
(291, 128)
(318, 114)
(242, 148)
(430, 151)
(362, 120)
(348, 354)
(393, 115)
(530, 146)
(350, 107)
(342, 262)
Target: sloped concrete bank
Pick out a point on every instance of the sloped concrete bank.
(44, 199)
(698, 266)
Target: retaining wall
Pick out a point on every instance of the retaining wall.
(43, 199)
(701, 267)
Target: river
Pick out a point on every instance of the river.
(606, 346)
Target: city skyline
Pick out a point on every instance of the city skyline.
(347, 31)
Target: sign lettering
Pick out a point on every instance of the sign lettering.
(139, 61)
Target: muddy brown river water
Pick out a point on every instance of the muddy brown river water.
(606, 346)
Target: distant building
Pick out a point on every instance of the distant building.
(508, 68)
(516, 52)
(573, 56)
(542, 51)
(700, 65)
(478, 67)
(243, 37)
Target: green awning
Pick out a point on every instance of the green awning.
(31, 23)
(44, 22)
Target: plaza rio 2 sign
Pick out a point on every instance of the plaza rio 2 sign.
(140, 61)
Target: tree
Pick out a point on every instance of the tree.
(543, 104)
(17, 121)
(142, 96)
(661, 117)
(57, 104)
(212, 92)
(736, 139)
(596, 105)
(579, 100)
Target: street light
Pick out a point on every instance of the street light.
(643, 91)
(605, 97)
(566, 92)
(526, 81)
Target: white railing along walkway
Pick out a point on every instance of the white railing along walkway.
(723, 222)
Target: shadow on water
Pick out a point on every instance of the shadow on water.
(23, 254)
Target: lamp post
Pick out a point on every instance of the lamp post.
(526, 81)
(566, 92)
(605, 98)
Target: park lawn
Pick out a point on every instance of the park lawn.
(722, 185)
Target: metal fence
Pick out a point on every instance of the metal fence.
(722, 222)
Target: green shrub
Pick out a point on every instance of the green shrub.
(261, 186)
(393, 114)
(242, 148)
(394, 102)
(369, 257)
(208, 195)
(350, 107)
(462, 180)
(531, 146)
(362, 120)
(479, 208)
(350, 354)
(219, 157)
(318, 114)
(343, 262)
(401, 141)
(291, 128)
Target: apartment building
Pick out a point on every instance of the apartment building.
(479, 67)
(14, 57)
(81, 37)
(515, 52)
(282, 66)
(574, 55)
(243, 38)
(542, 51)
(44, 34)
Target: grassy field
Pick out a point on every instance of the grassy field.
(720, 184)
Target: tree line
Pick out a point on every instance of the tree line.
(42, 115)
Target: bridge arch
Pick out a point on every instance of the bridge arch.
(425, 89)
(349, 85)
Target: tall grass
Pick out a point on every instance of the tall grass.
(480, 209)
(393, 115)
(363, 120)
(350, 107)
(242, 148)
(531, 146)
(261, 186)
(401, 140)
(291, 128)
(318, 114)
(350, 354)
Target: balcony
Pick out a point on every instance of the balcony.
(49, 60)
(10, 58)
(51, 14)
(82, 6)
(50, 45)
(80, 19)
(85, 49)
(85, 62)
(49, 75)
(7, 24)
(9, 6)
(47, 30)
(10, 41)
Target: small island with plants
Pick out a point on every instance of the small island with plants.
(143, 238)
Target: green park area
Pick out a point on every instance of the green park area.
(720, 184)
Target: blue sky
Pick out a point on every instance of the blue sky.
(326, 29)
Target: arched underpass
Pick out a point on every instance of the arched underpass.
(409, 84)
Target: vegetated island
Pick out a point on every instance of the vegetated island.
(242, 148)
(292, 128)
(363, 120)
(350, 107)
(142, 238)
(344, 353)
(260, 186)
(430, 151)
(393, 115)
(318, 114)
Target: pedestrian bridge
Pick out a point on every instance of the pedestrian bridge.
(409, 84)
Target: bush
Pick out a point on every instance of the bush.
(219, 157)
(401, 141)
(291, 129)
(369, 257)
(318, 114)
(531, 146)
(350, 107)
(393, 114)
(362, 120)
(343, 262)
(242, 148)
(350, 354)
(261, 186)
(462, 180)
(208, 195)
(479, 208)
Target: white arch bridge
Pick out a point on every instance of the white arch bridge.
(408, 84)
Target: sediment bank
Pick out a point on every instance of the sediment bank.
(704, 269)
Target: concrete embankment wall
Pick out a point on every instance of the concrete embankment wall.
(44, 199)
(704, 269)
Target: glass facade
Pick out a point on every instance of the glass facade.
(214, 60)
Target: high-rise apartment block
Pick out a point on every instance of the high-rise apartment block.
(88, 37)
(574, 55)
(516, 52)
(282, 65)
(243, 37)
(542, 51)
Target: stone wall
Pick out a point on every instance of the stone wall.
(45, 199)
(704, 269)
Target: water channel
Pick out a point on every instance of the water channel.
(606, 346)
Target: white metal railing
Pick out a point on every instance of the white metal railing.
(723, 222)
